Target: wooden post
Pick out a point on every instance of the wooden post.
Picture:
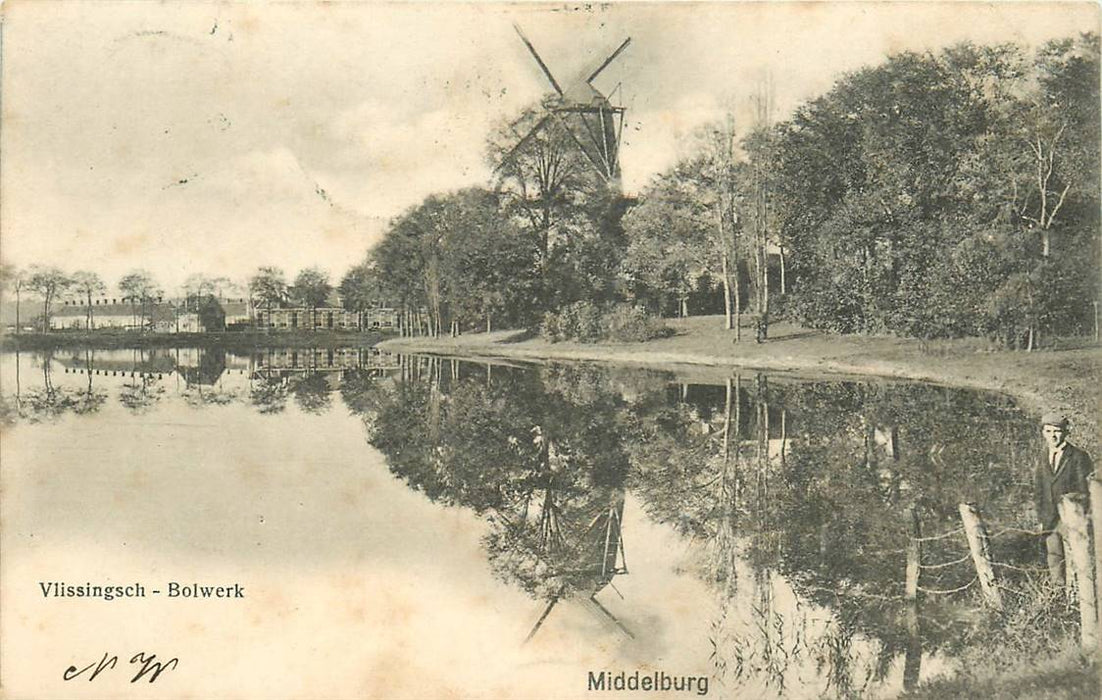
(980, 547)
(1095, 322)
(1096, 518)
(912, 663)
(539, 623)
(1073, 514)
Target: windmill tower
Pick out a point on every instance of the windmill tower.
(591, 120)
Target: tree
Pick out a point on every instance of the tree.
(50, 283)
(398, 266)
(361, 288)
(15, 279)
(268, 287)
(411, 256)
(490, 267)
(715, 184)
(922, 195)
(758, 176)
(87, 284)
(138, 287)
(696, 204)
(1059, 126)
(543, 175)
(668, 249)
(311, 289)
(564, 207)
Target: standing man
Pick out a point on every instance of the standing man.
(1065, 469)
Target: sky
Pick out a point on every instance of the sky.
(191, 137)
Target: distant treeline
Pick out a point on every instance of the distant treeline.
(934, 195)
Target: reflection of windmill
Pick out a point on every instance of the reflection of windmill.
(603, 542)
(585, 114)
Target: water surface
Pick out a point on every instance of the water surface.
(410, 526)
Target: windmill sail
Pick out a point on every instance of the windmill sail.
(587, 115)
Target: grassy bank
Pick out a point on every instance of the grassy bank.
(246, 340)
(1064, 377)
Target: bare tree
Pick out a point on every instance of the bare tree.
(50, 283)
(720, 163)
(15, 279)
(268, 287)
(139, 288)
(86, 284)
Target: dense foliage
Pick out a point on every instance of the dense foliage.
(934, 195)
(586, 322)
(947, 195)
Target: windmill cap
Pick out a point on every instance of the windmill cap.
(1057, 419)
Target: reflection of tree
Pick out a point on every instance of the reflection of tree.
(9, 410)
(268, 393)
(815, 486)
(796, 494)
(312, 393)
(199, 396)
(90, 400)
(361, 392)
(545, 474)
(141, 393)
(51, 402)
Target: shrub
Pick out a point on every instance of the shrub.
(632, 324)
(584, 322)
(587, 324)
(551, 328)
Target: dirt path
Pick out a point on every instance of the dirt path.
(1067, 378)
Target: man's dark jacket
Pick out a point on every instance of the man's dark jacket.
(1070, 477)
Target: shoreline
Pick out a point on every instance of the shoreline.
(229, 340)
(1063, 378)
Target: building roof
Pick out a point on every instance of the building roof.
(158, 310)
(235, 307)
(28, 309)
(81, 310)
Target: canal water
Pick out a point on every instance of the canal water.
(423, 527)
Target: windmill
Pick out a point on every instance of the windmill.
(602, 555)
(587, 115)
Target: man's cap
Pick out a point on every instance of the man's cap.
(1057, 419)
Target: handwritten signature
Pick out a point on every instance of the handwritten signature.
(149, 666)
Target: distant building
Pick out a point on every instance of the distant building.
(188, 322)
(238, 313)
(302, 318)
(381, 318)
(115, 313)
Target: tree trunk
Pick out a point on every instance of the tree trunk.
(738, 302)
(784, 289)
(46, 312)
(728, 311)
(912, 663)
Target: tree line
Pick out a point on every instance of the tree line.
(268, 288)
(940, 194)
(933, 195)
